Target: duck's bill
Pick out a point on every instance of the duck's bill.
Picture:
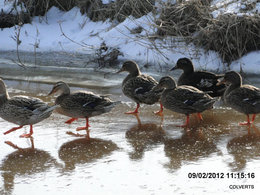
(174, 68)
(158, 87)
(121, 70)
(52, 92)
(223, 81)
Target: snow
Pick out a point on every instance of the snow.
(107, 1)
(249, 63)
(45, 32)
(6, 6)
(234, 7)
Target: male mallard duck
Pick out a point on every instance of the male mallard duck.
(139, 87)
(204, 81)
(243, 98)
(184, 99)
(22, 110)
(80, 104)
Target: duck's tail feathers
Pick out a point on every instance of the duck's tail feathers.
(211, 102)
(45, 112)
(117, 102)
(220, 76)
(105, 95)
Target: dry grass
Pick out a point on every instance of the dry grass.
(40, 7)
(231, 36)
(183, 18)
(8, 20)
(118, 10)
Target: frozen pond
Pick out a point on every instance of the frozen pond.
(128, 154)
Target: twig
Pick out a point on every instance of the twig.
(82, 45)
(16, 38)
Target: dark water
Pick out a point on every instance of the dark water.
(128, 154)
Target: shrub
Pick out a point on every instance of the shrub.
(40, 7)
(118, 10)
(8, 20)
(183, 18)
(231, 36)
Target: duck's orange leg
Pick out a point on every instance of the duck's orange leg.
(160, 112)
(13, 129)
(71, 120)
(253, 118)
(248, 121)
(199, 116)
(186, 123)
(135, 111)
(29, 134)
(84, 128)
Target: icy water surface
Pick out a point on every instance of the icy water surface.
(128, 154)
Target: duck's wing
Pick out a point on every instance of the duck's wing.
(207, 81)
(140, 85)
(85, 101)
(189, 98)
(247, 94)
(27, 106)
(26, 109)
(28, 103)
(140, 89)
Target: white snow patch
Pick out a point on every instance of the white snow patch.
(46, 33)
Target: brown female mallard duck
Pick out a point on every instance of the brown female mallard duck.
(184, 99)
(22, 110)
(202, 80)
(80, 104)
(243, 98)
(139, 87)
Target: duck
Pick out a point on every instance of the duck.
(22, 110)
(82, 104)
(139, 87)
(203, 80)
(184, 99)
(242, 98)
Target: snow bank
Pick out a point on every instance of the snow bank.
(234, 7)
(45, 32)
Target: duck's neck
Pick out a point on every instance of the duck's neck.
(189, 69)
(170, 87)
(232, 87)
(132, 74)
(60, 98)
(64, 94)
(135, 72)
(65, 90)
(3, 98)
(171, 84)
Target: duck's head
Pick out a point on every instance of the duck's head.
(2, 87)
(231, 78)
(130, 66)
(185, 64)
(166, 82)
(61, 87)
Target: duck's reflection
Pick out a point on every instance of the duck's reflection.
(84, 150)
(243, 149)
(143, 137)
(191, 146)
(24, 162)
